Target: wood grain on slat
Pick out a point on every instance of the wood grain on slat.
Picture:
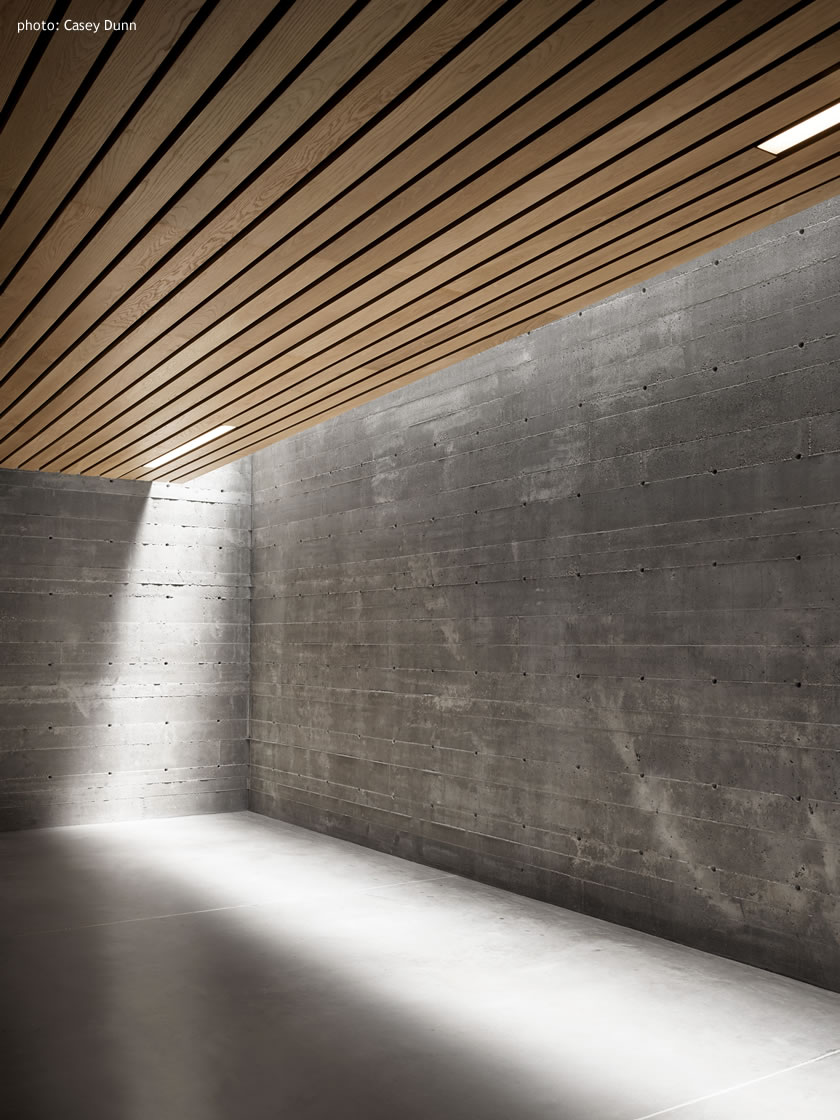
(467, 162)
(146, 201)
(267, 215)
(523, 310)
(111, 94)
(15, 46)
(326, 328)
(286, 218)
(66, 61)
(197, 464)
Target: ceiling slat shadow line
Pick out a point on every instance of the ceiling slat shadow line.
(261, 218)
(71, 464)
(21, 57)
(145, 231)
(103, 57)
(40, 197)
(197, 464)
(381, 238)
(62, 467)
(284, 393)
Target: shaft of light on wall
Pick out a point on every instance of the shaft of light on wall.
(185, 447)
(803, 131)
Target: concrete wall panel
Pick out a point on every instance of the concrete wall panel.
(565, 616)
(124, 627)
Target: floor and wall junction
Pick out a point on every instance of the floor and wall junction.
(564, 616)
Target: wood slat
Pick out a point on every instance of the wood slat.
(15, 48)
(198, 464)
(109, 96)
(150, 202)
(321, 324)
(284, 221)
(497, 323)
(264, 217)
(636, 43)
(65, 64)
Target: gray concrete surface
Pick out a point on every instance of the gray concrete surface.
(564, 617)
(124, 618)
(217, 967)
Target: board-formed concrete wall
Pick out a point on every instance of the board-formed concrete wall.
(564, 617)
(124, 617)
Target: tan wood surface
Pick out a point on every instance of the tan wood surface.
(502, 316)
(264, 215)
(15, 46)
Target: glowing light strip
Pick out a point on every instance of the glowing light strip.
(803, 131)
(185, 447)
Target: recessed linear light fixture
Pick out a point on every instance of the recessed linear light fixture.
(185, 447)
(803, 131)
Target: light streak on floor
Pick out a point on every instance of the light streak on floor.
(209, 967)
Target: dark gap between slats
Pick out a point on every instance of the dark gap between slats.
(351, 140)
(270, 210)
(30, 65)
(672, 85)
(672, 126)
(345, 146)
(186, 120)
(253, 436)
(93, 73)
(441, 360)
(186, 186)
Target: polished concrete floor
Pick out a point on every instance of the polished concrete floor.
(234, 967)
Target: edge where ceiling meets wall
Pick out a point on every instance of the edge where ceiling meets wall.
(563, 617)
(262, 219)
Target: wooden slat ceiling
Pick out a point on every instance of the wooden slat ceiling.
(263, 214)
